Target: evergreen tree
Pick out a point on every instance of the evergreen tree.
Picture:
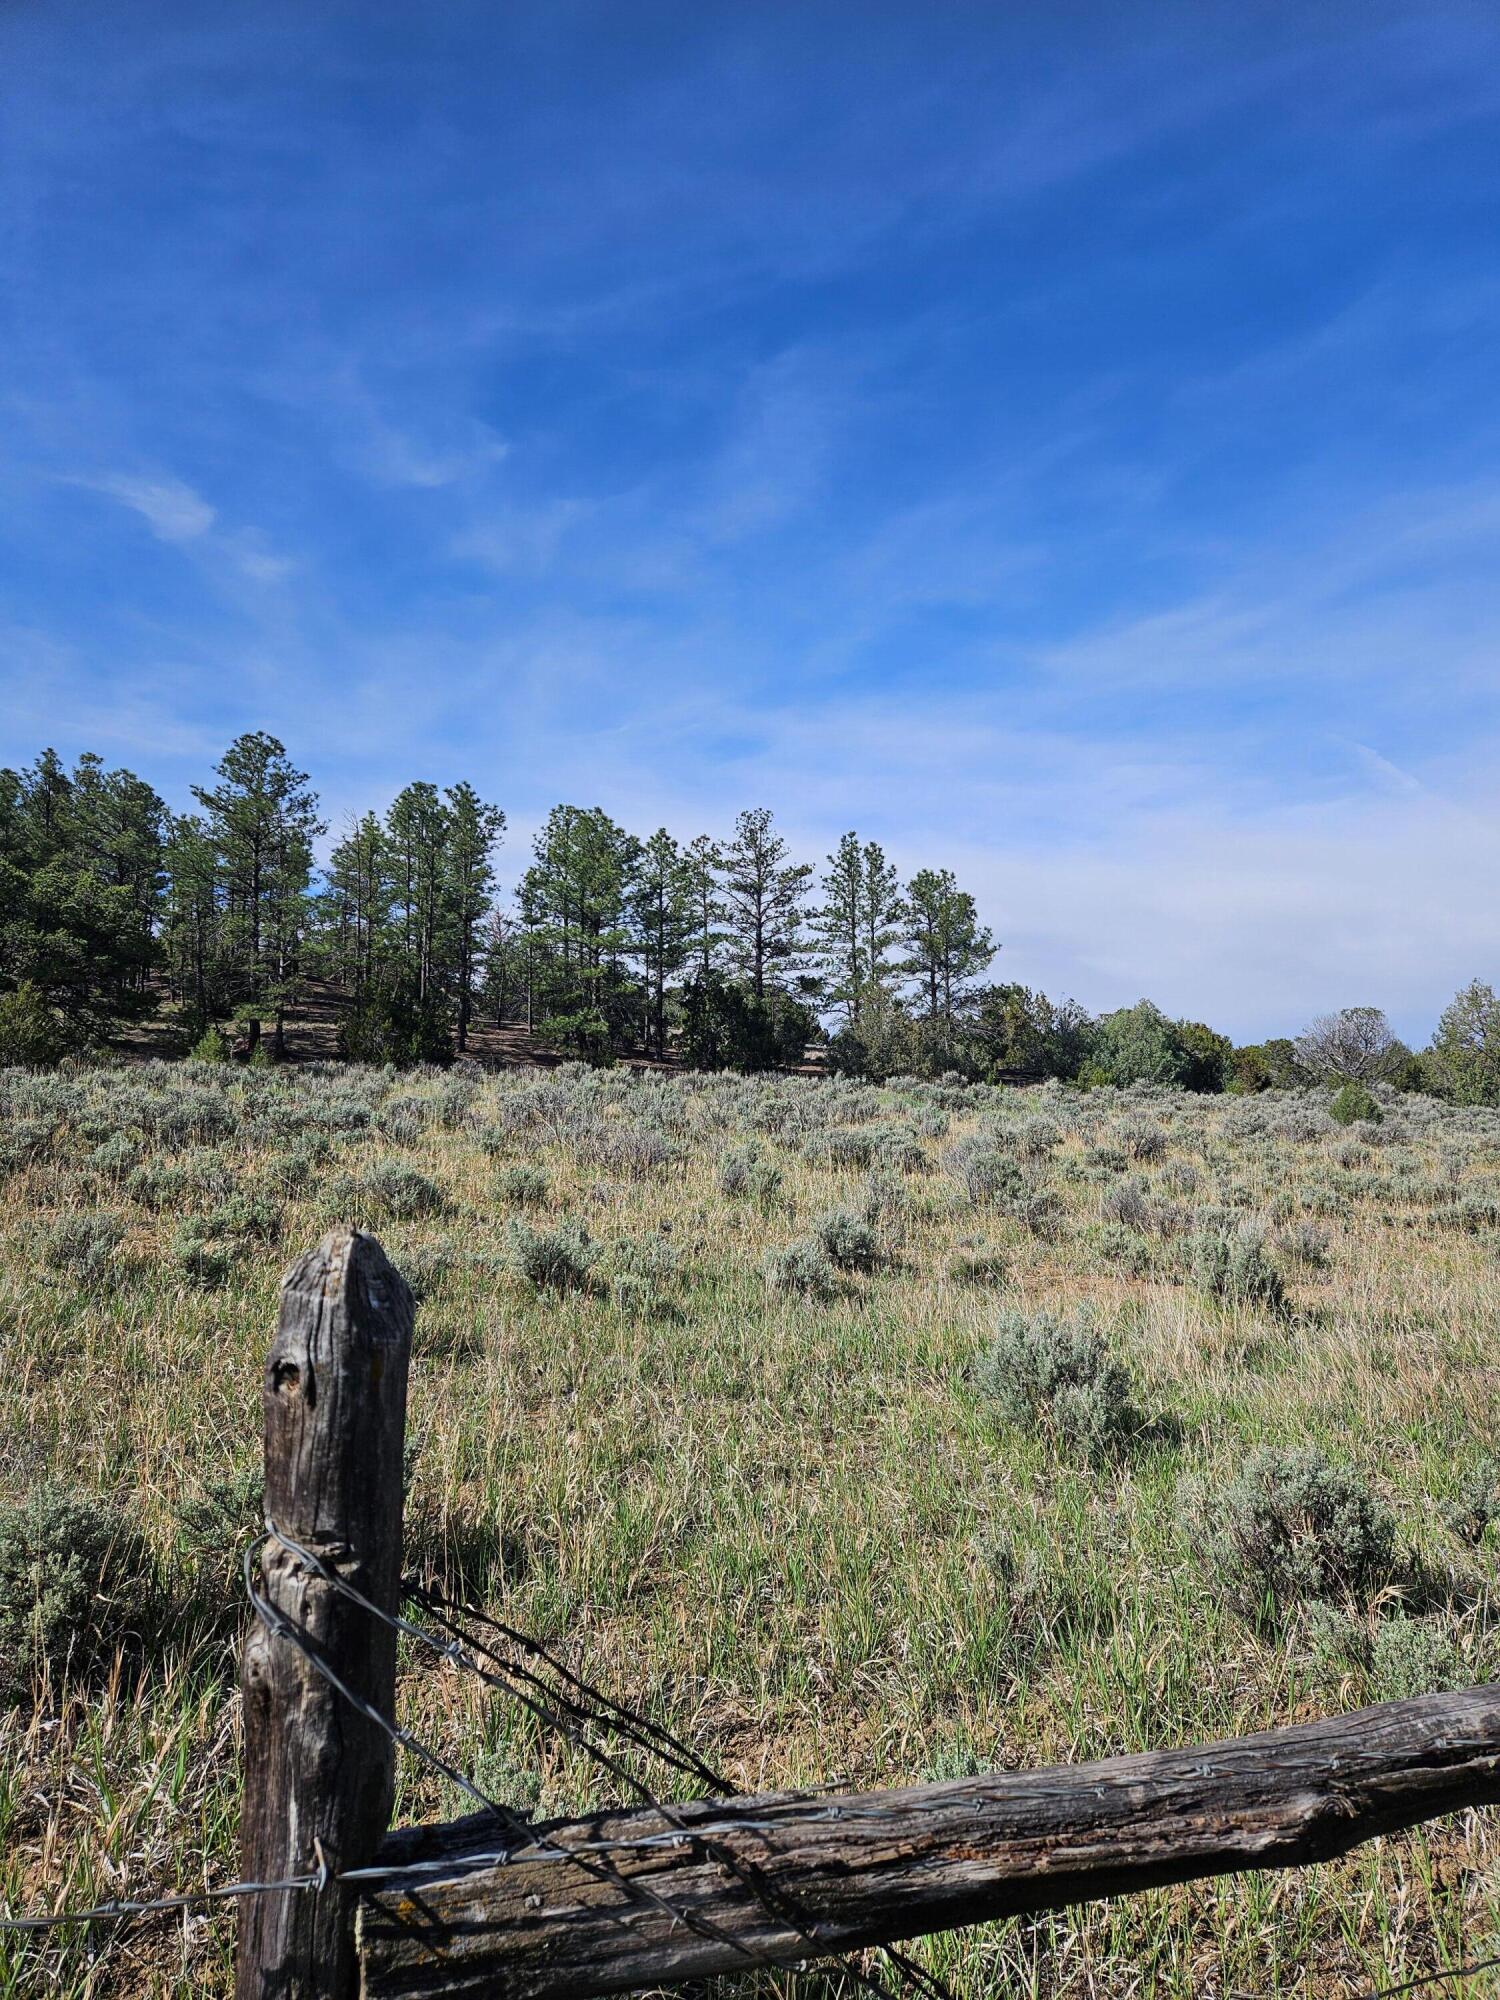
(358, 900)
(197, 965)
(948, 944)
(263, 818)
(80, 890)
(882, 911)
(703, 865)
(663, 904)
(1464, 1061)
(417, 830)
(576, 892)
(766, 894)
(504, 951)
(473, 829)
(839, 925)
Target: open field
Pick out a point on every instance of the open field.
(829, 1517)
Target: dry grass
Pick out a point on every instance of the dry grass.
(795, 1529)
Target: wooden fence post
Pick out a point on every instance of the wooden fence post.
(319, 1776)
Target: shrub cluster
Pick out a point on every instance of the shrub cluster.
(1056, 1374)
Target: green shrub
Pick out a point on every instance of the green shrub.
(392, 1022)
(211, 1047)
(115, 1157)
(1123, 1247)
(1231, 1265)
(1477, 1507)
(1141, 1138)
(848, 1240)
(1352, 1104)
(886, 1199)
(202, 1256)
(31, 1036)
(986, 1171)
(1303, 1243)
(1056, 1375)
(523, 1187)
(1413, 1656)
(1293, 1525)
(745, 1172)
(74, 1577)
(801, 1267)
(557, 1260)
(250, 1218)
(84, 1246)
(214, 1526)
(388, 1190)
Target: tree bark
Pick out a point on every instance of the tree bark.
(844, 1872)
(318, 1774)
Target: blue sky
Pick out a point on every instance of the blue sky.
(1061, 442)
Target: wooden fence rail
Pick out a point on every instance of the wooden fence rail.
(628, 1899)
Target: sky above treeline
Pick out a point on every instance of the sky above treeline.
(1061, 442)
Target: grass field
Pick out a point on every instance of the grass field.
(869, 1516)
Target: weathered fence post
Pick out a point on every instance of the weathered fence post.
(318, 1775)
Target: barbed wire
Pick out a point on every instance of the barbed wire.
(1436, 1978)
(197, 1899)
(461, 1647)
(566, 1709)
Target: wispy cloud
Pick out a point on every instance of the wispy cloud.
(169, 507)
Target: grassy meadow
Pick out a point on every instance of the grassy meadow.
(862, 1434)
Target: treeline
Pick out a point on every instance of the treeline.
(727, 954)
(723, 954)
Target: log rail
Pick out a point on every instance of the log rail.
(751, 1879)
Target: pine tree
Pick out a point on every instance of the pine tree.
(576, 893)
(417, 829)
(765, 898)
(473, 828)
(882, 911)
(358, 902)
(663, 903)
(263, 819)
(703, 864)
(197, 966)
(840, 926)
(948, 944)
(80, 890)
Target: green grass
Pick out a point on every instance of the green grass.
(798, 1531)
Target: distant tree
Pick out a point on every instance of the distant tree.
(764, 902)
(1463, 1063)
(358, 901)
(81, 881)
(703, 867)
(473, 830)
(198, 970)
(858, 922)
(576, 895)
(949, 946)
(262, 817)
(882, 912)
(727, 1026)
(839, 927)
(504, 952)
(418, 828)
(1355, 1045)
(889, 1041)
(391, 1021)
(1210, 1056)
(663, 907)
(1270, 1065)
(1137, 1045)
(1019, 1030)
